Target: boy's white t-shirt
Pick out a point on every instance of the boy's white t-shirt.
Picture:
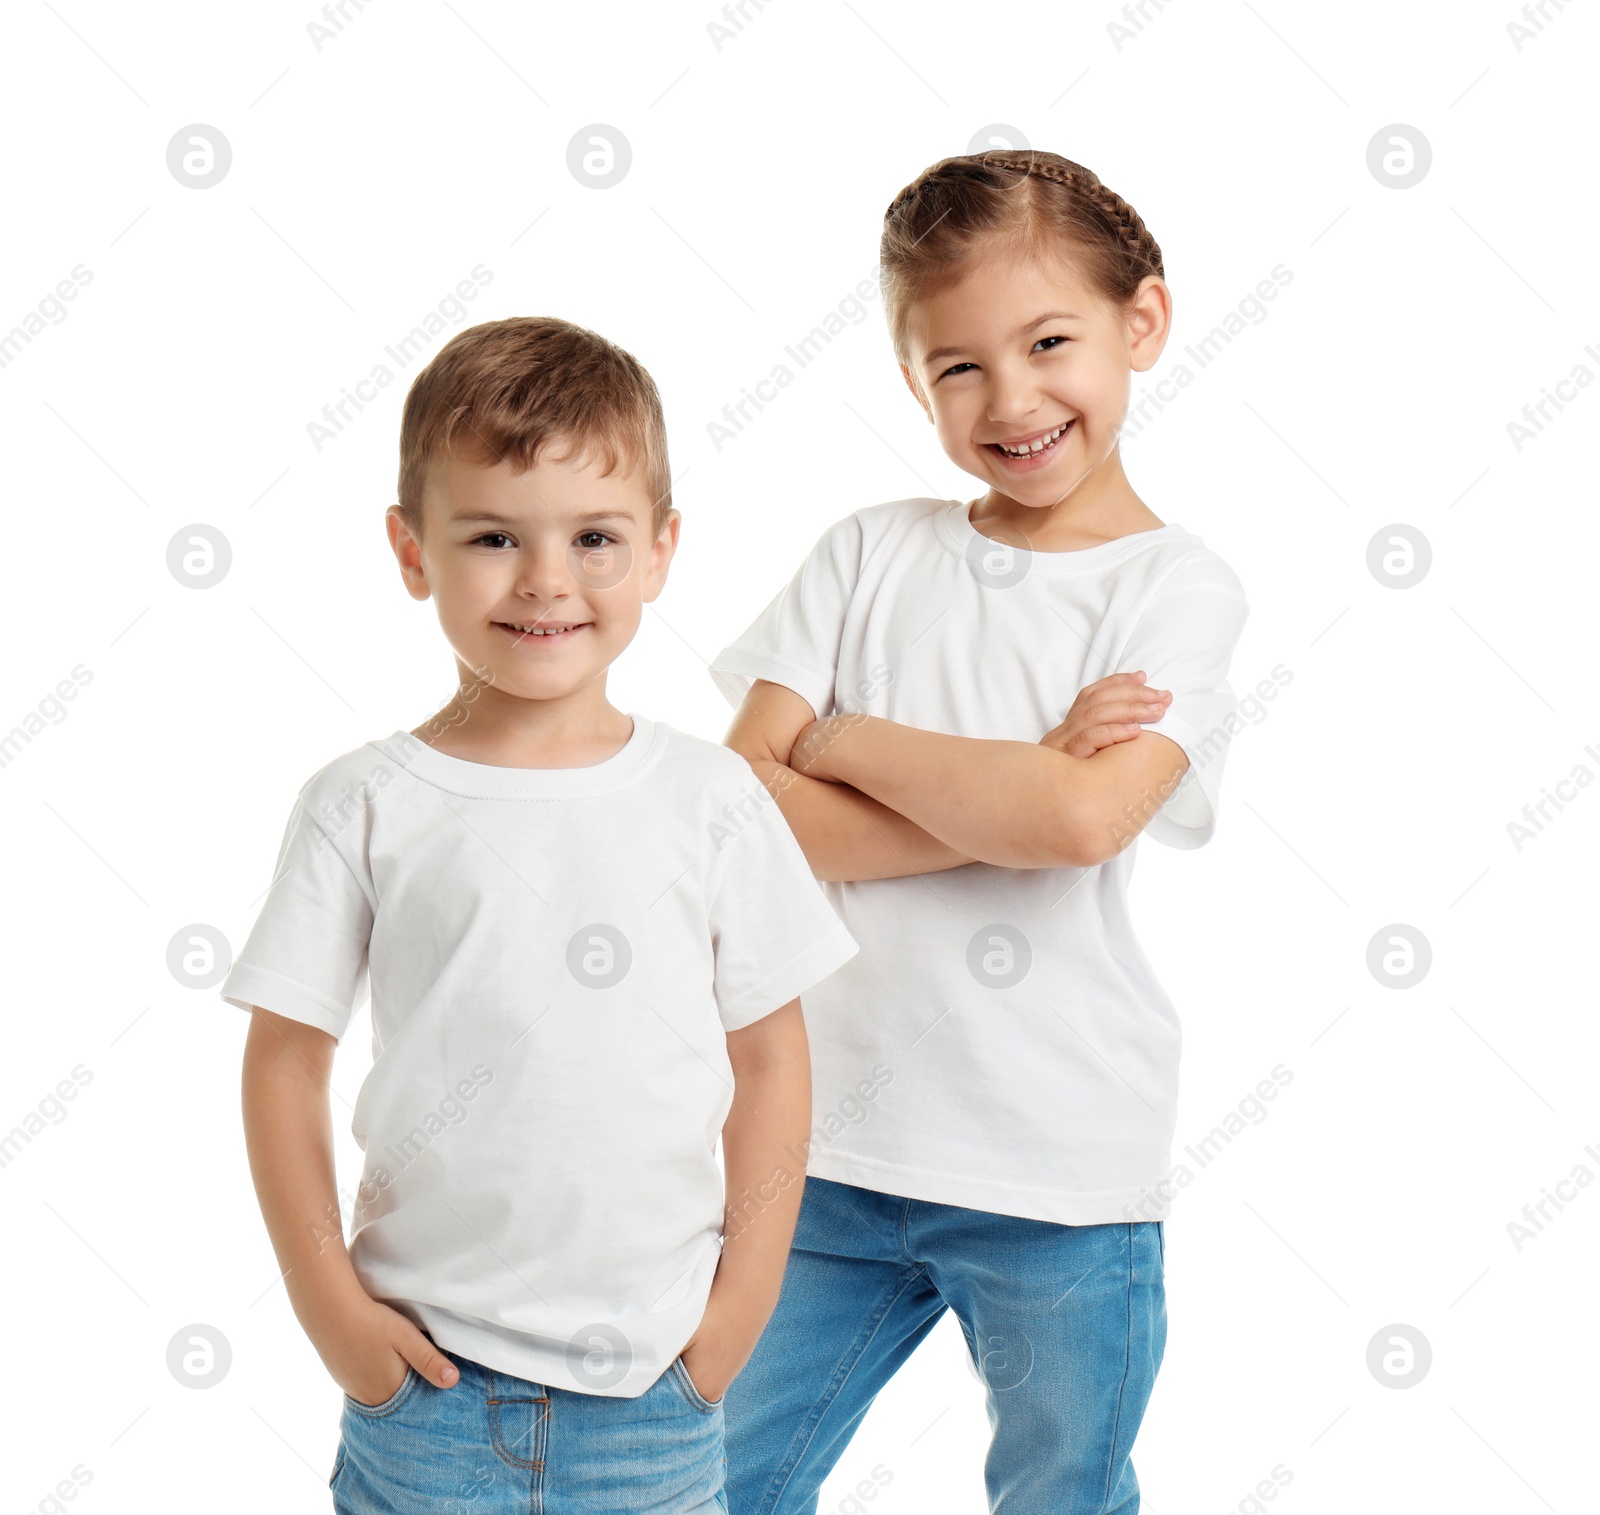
(1029, 1055)
(555, 957)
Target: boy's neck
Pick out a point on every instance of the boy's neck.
(482, 724)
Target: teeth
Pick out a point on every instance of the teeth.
(540, 631)
(1037, 446)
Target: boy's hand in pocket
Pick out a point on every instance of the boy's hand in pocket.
(1110, 710)
(367, 1350)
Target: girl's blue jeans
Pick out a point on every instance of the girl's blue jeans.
(1066, 1324)
(492, 1444)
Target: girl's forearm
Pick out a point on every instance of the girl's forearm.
(846, 834)
(1000, 802)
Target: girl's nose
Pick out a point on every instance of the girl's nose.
(1013, 396)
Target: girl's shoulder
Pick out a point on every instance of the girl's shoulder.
(874, 520)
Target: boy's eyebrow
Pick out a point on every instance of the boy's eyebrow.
(620, 513)
(1021, 331)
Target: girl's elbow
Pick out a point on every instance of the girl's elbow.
(1078, 840)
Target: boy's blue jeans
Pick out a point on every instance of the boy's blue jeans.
(492, 1444)
(1067, 1325)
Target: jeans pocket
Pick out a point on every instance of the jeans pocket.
(338, 1464)
(681, 1377)
(392, 1403)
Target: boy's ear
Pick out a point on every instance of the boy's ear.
(666, 544)
(408, 552)
(911, 384)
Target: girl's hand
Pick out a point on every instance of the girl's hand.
(367, 1350)
(1105, 712)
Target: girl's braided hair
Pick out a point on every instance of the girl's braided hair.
(1014, 201)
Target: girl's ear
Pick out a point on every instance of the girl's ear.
(912, 385)
(1149, 322)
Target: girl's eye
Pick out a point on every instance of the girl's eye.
(956, 369)
(592, 541)
(492, 539)
(1043, 340)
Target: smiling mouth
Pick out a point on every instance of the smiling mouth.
(543, 631)
(1031, 447)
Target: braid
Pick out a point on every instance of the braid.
(933, 226)
(1085, 182)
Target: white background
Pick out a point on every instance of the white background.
(371, 175)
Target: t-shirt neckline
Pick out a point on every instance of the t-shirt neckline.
(965, 540)
(491, 782)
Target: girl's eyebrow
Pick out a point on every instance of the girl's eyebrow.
(1021, 331)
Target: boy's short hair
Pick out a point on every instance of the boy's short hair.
(512, 388)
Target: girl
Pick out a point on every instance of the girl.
(995, 1072)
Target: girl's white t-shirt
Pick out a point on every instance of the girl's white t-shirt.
(1028, 1055)
(555, 957)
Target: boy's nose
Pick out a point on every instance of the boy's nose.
(544, 575)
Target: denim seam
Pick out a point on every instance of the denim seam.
(696, 1399)
(377, 1412)
(540, 1423)
(1127, 1368)
(836, 1382)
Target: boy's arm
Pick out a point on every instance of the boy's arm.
(769, 1121)
(844, 833)
(1013, 804)
(288, 1129)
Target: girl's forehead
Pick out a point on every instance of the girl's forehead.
(998, 299)
(1019, 273)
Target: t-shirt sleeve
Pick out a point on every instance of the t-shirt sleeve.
(1184, 640)
(795, 640)
(773, 932)
(306, 956)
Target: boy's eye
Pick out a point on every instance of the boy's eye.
(592, 541)
(956, 369)
(493, 539)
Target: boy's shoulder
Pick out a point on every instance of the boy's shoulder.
(381, 755)
(356, 777)
(700, 764)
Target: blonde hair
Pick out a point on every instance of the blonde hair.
(1007, 202)
(512, 388)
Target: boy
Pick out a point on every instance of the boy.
(584, 934)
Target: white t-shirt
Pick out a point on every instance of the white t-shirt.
(555, 957)
(1032, 1057)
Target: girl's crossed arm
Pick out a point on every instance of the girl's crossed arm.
(869, 798)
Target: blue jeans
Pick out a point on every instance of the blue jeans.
(1067, 1326)
(492, 1444)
